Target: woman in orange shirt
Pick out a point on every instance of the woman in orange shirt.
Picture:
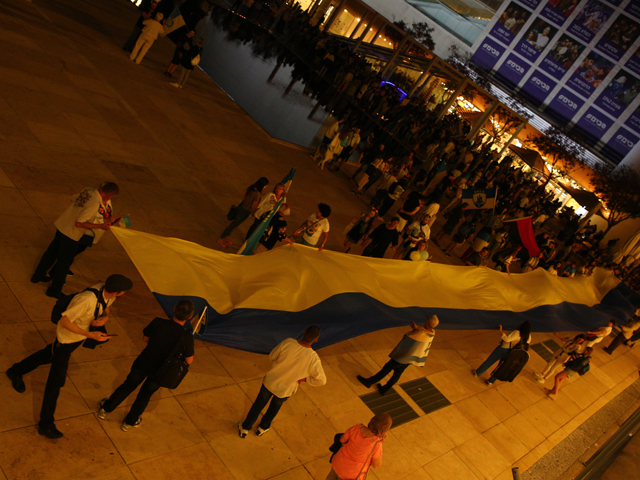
(362, 448)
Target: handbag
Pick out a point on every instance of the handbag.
(173, 370)
(195, 60)
(233, 213)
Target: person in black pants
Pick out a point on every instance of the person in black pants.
(164, 337)
(85, 309)
(89, 215)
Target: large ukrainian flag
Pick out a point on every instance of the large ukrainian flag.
(256, 301)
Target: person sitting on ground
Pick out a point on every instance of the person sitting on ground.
(377, 242)
(579, 365)
(361, 450)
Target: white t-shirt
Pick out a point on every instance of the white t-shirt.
(417, 232)
(267, 204)
(292, 362)
(86, 206)
(80, 312)
(510, 340)
(312, 232)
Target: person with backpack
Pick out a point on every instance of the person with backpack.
(164, 339)
(509, 341)
(571, 346)
(81, 311)
(578, 365)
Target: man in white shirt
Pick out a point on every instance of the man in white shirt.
(86, 309)
(598, 335)
(316, 228)
(293, 362)
(87, 218)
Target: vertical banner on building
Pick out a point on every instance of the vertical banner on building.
(619, 93)
(564, 106)
(590, 19)
(513, 70)
(562, 56)
(558, 11)
(488, 54)
(537, 88)
(633, 7)
(633, 122)
(593, 125)
(633, 64)
(590, 73)
(510, 23)
(535, 39)
(620, 145)
(619, 37)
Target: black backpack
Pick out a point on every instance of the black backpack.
(63, 302)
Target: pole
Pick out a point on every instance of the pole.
(513, 137)
(422, 78)
(334, 16)
(390, 66)
(483, 118)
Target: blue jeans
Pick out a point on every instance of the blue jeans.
(274, 407)
(498, 354)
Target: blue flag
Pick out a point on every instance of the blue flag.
(252, 242)
(480, 198)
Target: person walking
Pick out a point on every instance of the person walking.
(146, 14)
(411, 350)
(572, 345)
(163, 338)
(626, 332)
(153, 27)
(189, 60)
(579, 365)
(82, 223)
(598, 335)
(293, 362)
(85, 310)
(361, 449)
(249, 205)
(509, 341)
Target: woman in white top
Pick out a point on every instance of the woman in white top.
(509, 340)
(266, 205)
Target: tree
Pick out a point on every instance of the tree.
(504, 121)
(619, 190)
(561, 153)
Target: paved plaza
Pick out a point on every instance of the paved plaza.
(74, 112)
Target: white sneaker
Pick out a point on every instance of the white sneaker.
(260, 431)
(539, 375)
(241, 431)
(102, 414)
(174, 84)
(125, 427)
(542, 380)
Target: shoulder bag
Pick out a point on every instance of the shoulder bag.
(173, 370)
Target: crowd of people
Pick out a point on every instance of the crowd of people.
(413, 164)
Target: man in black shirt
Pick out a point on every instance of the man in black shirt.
(383, 236)
(162, 336)
(368, 156)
